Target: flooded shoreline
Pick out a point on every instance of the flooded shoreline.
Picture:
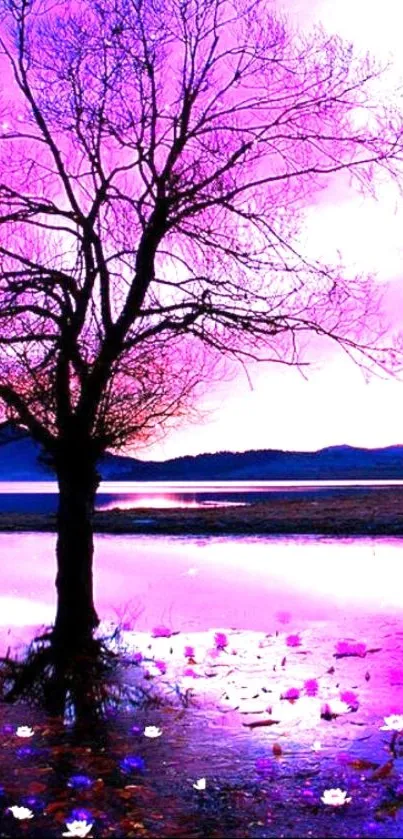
(277, 662)
(270, 725)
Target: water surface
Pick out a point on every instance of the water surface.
(259, 591)
(41, 496)
(193, 583)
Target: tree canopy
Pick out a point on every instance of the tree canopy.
(156, 157)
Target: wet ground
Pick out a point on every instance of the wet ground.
(249, 792)
(266, 759)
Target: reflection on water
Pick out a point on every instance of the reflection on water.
(325, 591)
(160, 502)
(41, 496)
(195, 584)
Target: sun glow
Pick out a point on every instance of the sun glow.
(157, 502)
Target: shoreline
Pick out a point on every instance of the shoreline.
(370, 512)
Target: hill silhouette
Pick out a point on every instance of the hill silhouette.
(21, 459)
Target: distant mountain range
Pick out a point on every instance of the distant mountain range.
(20, 460)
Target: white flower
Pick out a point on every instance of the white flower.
(335, 707)
(21, 812)
(200, 784)
(24, 731)
(77, 828)
(152, 731)
(335, 797)
(316, 746)
(393, 723)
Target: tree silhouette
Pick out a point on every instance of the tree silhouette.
(156, 157)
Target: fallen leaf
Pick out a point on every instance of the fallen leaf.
(35, 788)
(359, 764)
(350, 655)
(54, 806)
(383, 771)
(125, 793)
(388, 809)
(260, 723)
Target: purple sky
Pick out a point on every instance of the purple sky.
(335, 405)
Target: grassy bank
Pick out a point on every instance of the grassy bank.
(369, 511)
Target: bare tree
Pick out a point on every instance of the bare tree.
(155, 159)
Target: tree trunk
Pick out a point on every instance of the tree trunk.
(76, 617)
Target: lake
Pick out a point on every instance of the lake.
(195, 584)
(41, 496)
(291, 609)
(254, 589)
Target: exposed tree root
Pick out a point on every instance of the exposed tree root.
(82, 686)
